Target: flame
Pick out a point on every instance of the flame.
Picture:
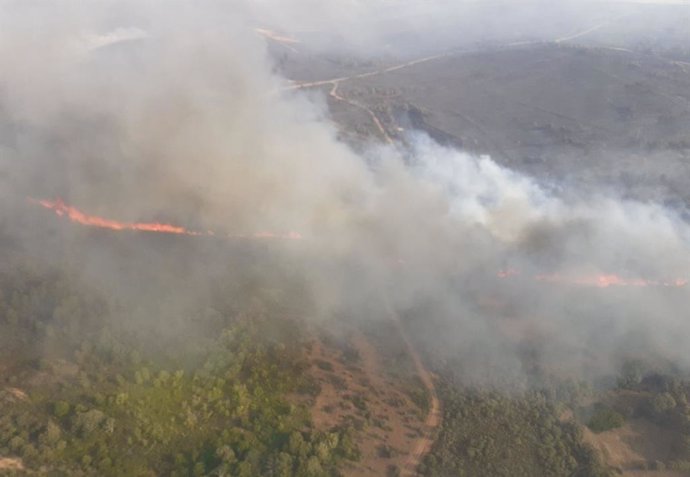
(598, 281)
(276, 36)
(507, 273)
(611, 280)
(77, 216)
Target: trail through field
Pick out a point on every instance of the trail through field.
(437, 56)
(592, 29)
(379, 125)
(433, 418)
(335, 83)
(363, 390)
(368, 74)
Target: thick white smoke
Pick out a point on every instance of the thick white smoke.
(553, 251)
(622, 236)
(171, 110)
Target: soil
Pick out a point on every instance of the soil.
(11, 464)
(636, 445)
(393, 431)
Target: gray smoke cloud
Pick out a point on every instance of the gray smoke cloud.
(172, 111)
(410, 27)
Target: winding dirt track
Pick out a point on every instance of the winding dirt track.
(334, 94)
(592, 29)
(335, 83)
(433, 418)
(563, 39)
(407, 64)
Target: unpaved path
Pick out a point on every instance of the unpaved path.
(392, 422)
(433, 418)
(335, 83)
(594, 28)
(335, 95)
(368, 74)
(426, 59)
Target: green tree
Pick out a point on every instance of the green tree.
(605, 419)
(50, 435)
(61, 409)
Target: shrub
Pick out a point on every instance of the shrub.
(325, 365)
(61, 408)
(605, 419)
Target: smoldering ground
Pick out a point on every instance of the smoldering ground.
(172, 112)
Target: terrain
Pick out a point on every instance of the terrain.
(263, 390)
(124, 374)
(586, 112)
(535, 109)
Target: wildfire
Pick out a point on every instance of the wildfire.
(599, 281)
(507, 273)
(77, 216)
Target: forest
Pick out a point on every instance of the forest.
(90, 384)
(81, 396)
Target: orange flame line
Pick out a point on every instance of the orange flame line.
(599, 281)
(79, 217)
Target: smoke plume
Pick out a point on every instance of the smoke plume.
(172, 112)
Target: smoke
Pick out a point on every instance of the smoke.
(552, 246)
(172, 112)
(413, 27)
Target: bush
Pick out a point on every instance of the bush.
(385, 452)
(393, 471)
(662, 403)
(61, 409)
(605, 419)
(324, 365)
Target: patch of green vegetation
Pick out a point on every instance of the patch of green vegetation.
(605, 419)
(493, 434)
(324, 365)
(418, 394)
(662, 398)
(97, 407)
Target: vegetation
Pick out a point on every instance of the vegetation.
(492, 434)
(82, 393)
(104, 408)
(605, 419)
(663, 399)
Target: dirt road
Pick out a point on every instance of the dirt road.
(368, 74)
(433, 418)
(379, 125)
